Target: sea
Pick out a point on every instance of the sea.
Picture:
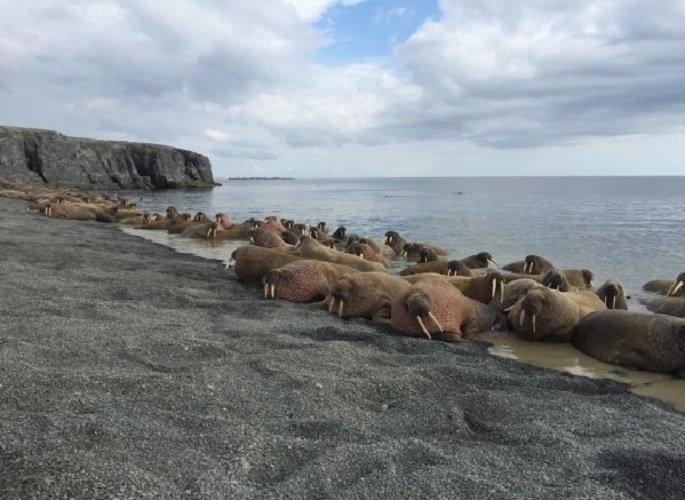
(627, 228)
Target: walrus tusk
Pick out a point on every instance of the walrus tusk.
(613, 302)
(494, 288)
(493, 262)
(435, 320)
(230, 264)
(404, 254)
(361, 256)
(522, 318)
(251, 240)
(331, 305)
(508, 308)
(606, 301)
(272, 290)
(533, 323)
(266, 291)
(676, 288)
(423, 328)
(340, 308)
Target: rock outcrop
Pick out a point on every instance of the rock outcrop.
(53, 158)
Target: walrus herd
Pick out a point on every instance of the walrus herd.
(435, 297)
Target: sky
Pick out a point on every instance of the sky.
(360, 88)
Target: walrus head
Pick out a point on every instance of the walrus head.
(340, 233)
(457, 268)
(418, 307)
(147, 218)
(223, 220)
(611, 290)
(532, 264)
(485, 258)
(678, 288)
(340, 292)
(314, 232)
(271, 280)
(321, 226)
(290, 238)
(531, 307)
(299, 229)
(556, 281)
(171, 212)
(390, 237)
(200, 217)
(496, 283)
(211, 231)
(427, 255)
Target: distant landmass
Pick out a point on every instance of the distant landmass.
(52, 158)
(261, 178)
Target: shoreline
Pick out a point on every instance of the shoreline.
(130, 369)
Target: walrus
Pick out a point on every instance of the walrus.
(250, 263)
(436, 266)
(475, 261)
(180, 223)
(395, 241)
(309, 248)
(612, 294)
(340, 233)
(412, 251)
(290, 238)
(440, 311)
(532, 264)
(662, 287)
(550, 315)
(567, 280)
(678, 289)
(136, 220)
(512, 293)
(653, 342)
(68, 211)
(671, 306)
(273, 224)
(480, 288)
(427, 255)
(265, 238)
(299, 229)
(458, 268)
(365, 295)
(303, 280)
(366, 252)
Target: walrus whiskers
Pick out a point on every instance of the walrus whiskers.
(435, 320)
(423, 328)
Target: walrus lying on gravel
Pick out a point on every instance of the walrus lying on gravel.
(550, 315)
(653, 342)
(612, 294)
(303, 280)
(439, 310)
(365, 295)
(513, 292)
(250, 263)
(309, 248)
(68, 211)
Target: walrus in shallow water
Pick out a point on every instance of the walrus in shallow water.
(671, 306)
(612, 294)
(395, 241)
(670, 288)
(458, 268)
(309, 248)
(550, 315)
(532, 264)
(421, 252)
(482, 259)
(250, 263)
(340, 233)
(653, 342)
(439, 310)
(303, 280)
(365, 295)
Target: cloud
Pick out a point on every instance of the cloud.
(245, 80)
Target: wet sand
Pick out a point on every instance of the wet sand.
(129, 370)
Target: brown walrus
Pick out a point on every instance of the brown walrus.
(532, 264)
(550, 315)
(670, 288)
(266, 238)
(479, 260)
(567, 280)
(612, 294)
(512, 293)
(395, 241)
(480, 288)
(436, 266)
(653, 342)
(438, 310)
(366, 252)
(68, 211)
(671, 306)
(303, 280)
(365, 295)
(412, 252)
(309, 248)
(250, 263)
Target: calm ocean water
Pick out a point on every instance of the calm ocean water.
(630, 228)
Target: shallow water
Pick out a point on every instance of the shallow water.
(625, 228)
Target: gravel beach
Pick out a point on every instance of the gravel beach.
(128, 370)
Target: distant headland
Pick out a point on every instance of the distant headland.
(52, 158)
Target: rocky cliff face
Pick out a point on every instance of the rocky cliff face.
(50, 157)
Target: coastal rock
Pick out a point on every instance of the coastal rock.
(53, 158)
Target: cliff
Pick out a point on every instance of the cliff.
(53, 158)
